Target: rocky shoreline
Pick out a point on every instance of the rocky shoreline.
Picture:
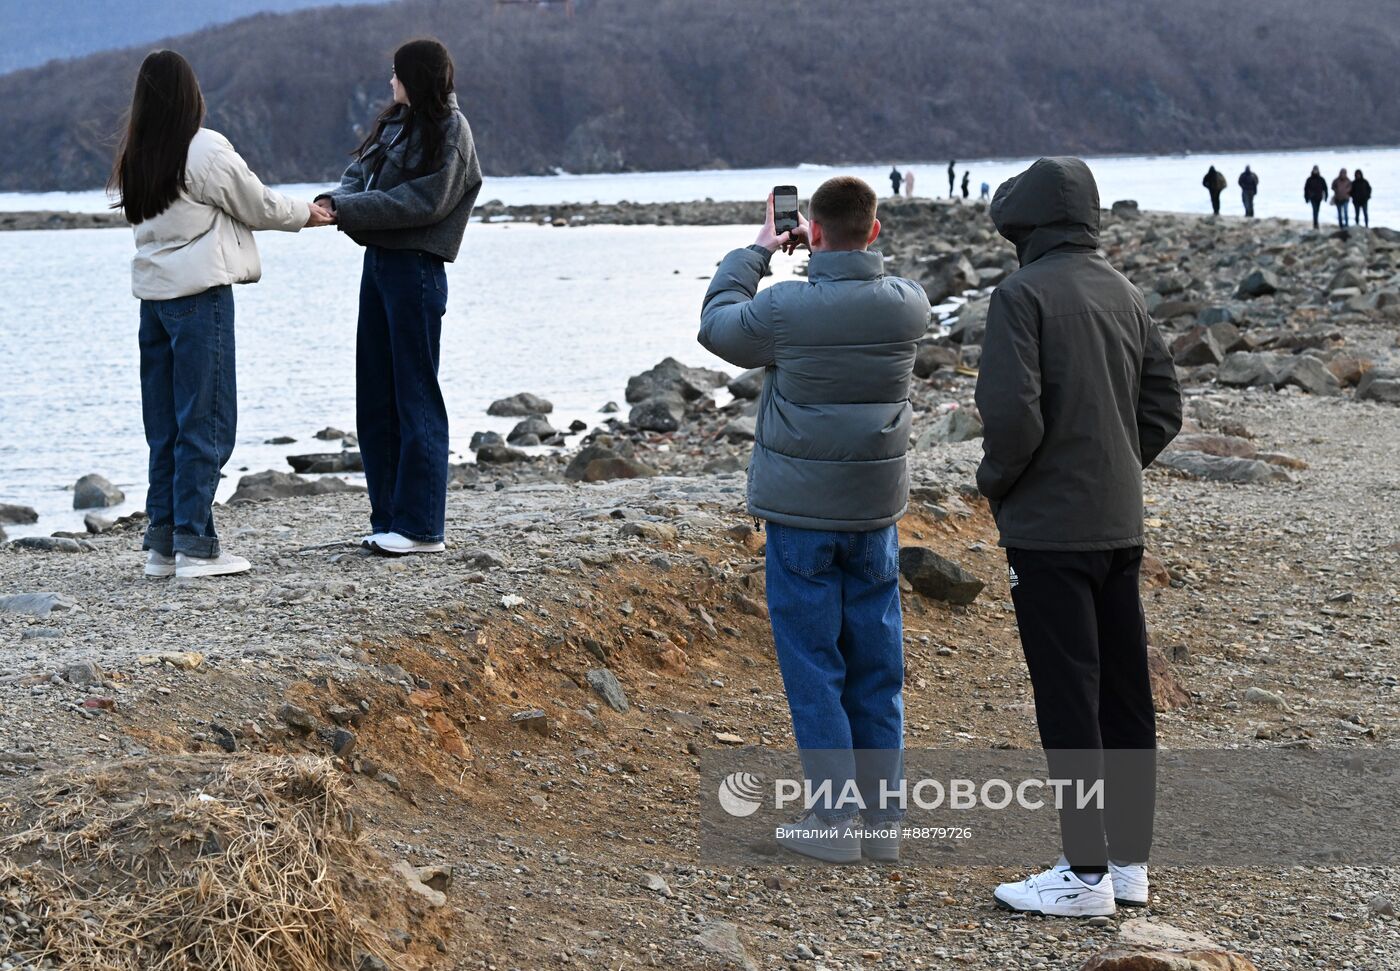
(513, 728)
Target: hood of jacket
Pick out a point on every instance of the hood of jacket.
(1053, 204)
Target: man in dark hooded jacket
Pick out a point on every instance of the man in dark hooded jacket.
(1249, 188)
(1215, 183)
(1078, 395)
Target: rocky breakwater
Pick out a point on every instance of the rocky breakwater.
(48, 219)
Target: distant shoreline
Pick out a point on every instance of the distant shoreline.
(691, 213)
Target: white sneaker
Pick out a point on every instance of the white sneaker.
(369, 541)
(393, 544)
(221, 565)
(1129, 884)
(833, 842)
(159, 565)
(1058, 893)
(879, 842)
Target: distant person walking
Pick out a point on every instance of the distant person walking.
(1314, 192)
(895, 180)
(193, 203)
(1361, 198)
(406, 198)
(909, 184)
(1249, 187)
(1341, 197)
(1215, 183)
(967, 184)
(952, 176)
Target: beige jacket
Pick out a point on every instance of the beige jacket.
(205, 238)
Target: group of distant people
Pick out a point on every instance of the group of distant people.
(1347, 193)
(900, 179)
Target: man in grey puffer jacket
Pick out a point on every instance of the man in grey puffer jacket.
(828, 474)
(1077, 395)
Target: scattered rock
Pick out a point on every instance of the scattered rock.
(1379, 385)
(1260, 283)
(930, 357)
(534, 720)
(324, 462)
(535, 425)
(605, 683)
(937, 578)
(39, 605)
(17, 515)
(53, 544)
(1269, 699)
(958, 425)
(500, 455)
(298, 718)
(94, 492)
(649, 531)
(1168, 693)
(82, 673)
(520, 406)
(660, 414)
(1218, 468)
(329, 434)
(1248, 369)
(414, 883)
(747, 385)
(671, 377)
(1145, 945)
(272, 484)
(656, 884)
(1310, 374)
(721, 939)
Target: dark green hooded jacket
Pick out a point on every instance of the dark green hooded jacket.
(1076, 389)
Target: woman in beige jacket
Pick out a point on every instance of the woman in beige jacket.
(194, 204)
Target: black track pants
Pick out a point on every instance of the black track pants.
(1085, 641)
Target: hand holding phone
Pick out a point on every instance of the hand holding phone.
(784, 208)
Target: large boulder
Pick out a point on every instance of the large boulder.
(930, 357)
(943, 276)
(1248, 369)
(1168, 693)
(1379, 385)
(94, 492)
(749, 384)
(499, 455)
(1259, 283)
(660, 414)
(671, 377)
(1310, 374)
(1197, 346)
(971, 325)
(937, 578)
(958, 425)
(1218, 468)
(39, 605)
(1229, 446)
(520, 405)
(323, 462)
(599, 463)
(536, 425)
(1126, 209)
(285, 485)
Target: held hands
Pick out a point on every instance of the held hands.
(772, 240)
(322, 213)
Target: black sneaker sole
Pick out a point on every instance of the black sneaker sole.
(1129, 903)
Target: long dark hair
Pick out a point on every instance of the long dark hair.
(425, 70)
(167, 108)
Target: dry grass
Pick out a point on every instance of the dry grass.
(171, 864)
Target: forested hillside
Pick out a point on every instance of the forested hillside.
(656, 84)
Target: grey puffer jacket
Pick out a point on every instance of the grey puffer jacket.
(381, 202)
(834, 415)
(1076, 389)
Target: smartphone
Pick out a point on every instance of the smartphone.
(784, 208)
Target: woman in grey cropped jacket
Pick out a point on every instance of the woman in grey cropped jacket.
(406, 198)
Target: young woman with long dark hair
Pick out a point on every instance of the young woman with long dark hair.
(406, 198)
(193, 203)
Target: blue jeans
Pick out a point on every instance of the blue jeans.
(189, 406)
(400, 415)
(833, 599)
(1343, 209)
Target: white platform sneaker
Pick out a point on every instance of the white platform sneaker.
(1058, 893)
(159, 565)
(1129, 884)
(188, 567)
(393, 544)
